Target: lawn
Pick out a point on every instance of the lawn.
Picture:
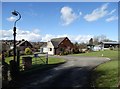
(39, 62)
(106, 74)
(107, 53)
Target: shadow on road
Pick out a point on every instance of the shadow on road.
(70, 77)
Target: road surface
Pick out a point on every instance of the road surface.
(74, 74)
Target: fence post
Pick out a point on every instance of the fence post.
(47, 58)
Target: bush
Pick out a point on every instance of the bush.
(66, 53)
(6, 54)
(28, 51)
(10, 52)
(76, 51)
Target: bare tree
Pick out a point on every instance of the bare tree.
(102, 37)
(96, 40)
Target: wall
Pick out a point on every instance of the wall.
(50, 45)
(65, 45)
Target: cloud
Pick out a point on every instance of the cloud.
(47, 37)
(32, 36)
(97, 13)
(21, 34)
(11, 19)
(6, 34)
(112, 12)
(67, 15)
(112, 18)
(73, 38)
(80, 13)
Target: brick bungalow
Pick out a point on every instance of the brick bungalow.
(57, 46)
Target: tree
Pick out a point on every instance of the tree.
(102, 37)
(96, 40)
(76, 47)
(28, 51)
(91, 41)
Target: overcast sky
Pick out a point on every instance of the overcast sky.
(42, 21)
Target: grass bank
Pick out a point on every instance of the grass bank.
(106, 75)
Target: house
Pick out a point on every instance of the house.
(21, 45)
(57, 46)
(43, 47)
(4, 46)
(108, 45)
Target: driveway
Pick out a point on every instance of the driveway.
(75, 74)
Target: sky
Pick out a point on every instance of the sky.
(42, 21)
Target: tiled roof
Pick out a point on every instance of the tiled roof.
(43, 44)
(57, 41)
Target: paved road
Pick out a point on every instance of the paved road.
(75, 74)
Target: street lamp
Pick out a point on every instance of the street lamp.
(15, 13)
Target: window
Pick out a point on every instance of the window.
(50, 49)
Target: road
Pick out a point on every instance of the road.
(74, 74)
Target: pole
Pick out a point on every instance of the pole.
(14, 34)
(18, 59)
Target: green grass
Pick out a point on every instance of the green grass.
(106, 74)
(50, 60)
(107, 53)
(39, 62)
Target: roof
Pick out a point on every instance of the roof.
(21, 42)
(43, 44)
(110, 42)
(57, 41)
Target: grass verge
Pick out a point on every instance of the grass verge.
(106, 74)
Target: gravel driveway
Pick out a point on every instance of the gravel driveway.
(75, 74)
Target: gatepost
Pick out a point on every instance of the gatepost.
(47, 58)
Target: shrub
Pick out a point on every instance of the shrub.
(28, 51)
(66, 53)
(10, 52)
(6, 54)
(76, 51)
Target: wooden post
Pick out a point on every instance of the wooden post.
(47, 58)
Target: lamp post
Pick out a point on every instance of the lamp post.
(15, 13)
